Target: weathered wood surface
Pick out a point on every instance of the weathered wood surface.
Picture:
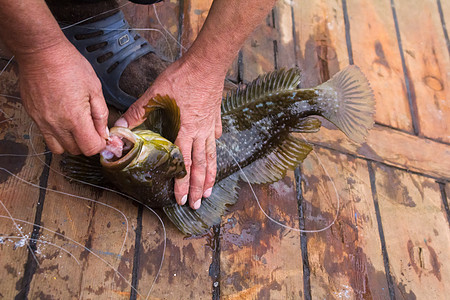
(376, 52)
(345, 260)
(416, 232)
(392, 231)
(428, 65)
(18, 199)
(408, 151)
(320, 32)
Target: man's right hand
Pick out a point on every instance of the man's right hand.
(63, 95)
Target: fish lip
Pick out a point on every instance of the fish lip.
(126, 159)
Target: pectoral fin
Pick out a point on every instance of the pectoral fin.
(163, 116)
(197, 222)
(83, 168)
(287, 156)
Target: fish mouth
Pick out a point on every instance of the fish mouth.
(130, 148)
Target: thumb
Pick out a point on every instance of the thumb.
(134, 115)
(99, 113)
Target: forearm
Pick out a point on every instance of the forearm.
(28, 27)
(227, 26)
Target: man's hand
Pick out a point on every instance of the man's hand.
(198, 93)
(63, 95)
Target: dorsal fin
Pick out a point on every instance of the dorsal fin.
(163, 110)
(261, 87)
(197, 222)
(287, 156)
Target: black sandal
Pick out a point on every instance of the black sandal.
(109, 45)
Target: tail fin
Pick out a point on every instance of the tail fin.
(347, 101)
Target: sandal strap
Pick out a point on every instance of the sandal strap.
(123, 45)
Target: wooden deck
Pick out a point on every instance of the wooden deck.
(391, 236)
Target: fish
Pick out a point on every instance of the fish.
(258, 143)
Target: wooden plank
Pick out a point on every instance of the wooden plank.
(408, 152)
(157, 23)
(416, 232)
(83, 223)
(194, 15)
(345, 260)
(258, 51)
(428, 63)
(260, 259)
(185, 271)
(376, 52)
(284, 33)
(320, 32)
(19, 200)
(445, 5)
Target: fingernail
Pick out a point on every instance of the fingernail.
(197, 204)
(107, 132)
(207, 193)
(183, 200)
(121, 123)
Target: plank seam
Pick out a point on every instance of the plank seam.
(294, 36)
(389, 279)
(444, 199)
(31, 265)
(411, 101)
(378, 162)
(136, 257)
(444, 26)
(347, 32)
(303, 236)
(180, 27)
(214, 268)
(409, 133)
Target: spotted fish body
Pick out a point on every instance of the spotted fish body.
(258, 140)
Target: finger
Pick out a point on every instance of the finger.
(218, 125)
(211, 166)
(53, 144)
(87, 137)
(67, 141)
(198, 173)
(99, 112)
(182, 184)
(134, 115)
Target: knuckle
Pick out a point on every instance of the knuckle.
(212, 156)
(92, 149)
(187, 163)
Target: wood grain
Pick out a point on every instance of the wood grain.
(390, 147)
(376, 52)
(260, 259)
(157, 23)
(416, 232)
(185, 271)
(84, 223)
(345, 260)
(320, 32)
(194, 15)
(428, 65)
(19, 200)
(285, 56)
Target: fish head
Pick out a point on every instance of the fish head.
(146, 150)
(147, 166)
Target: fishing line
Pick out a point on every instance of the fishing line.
(7, 64)
(77, 244)
(269, 217)
(43, 242)
(90, 18)
(118, 193)
(20, 231)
